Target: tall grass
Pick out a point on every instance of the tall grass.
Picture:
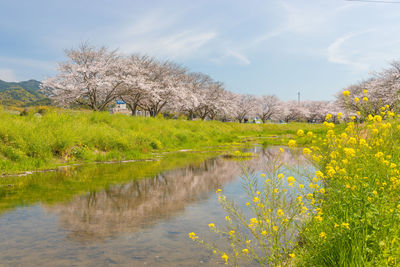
(66, 136)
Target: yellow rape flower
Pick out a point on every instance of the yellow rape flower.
(192, 236)
(280, 212)
(264, 232)
(328, 117)
(307, 151)
(346, 93)
(291, 180)
(300, 132)
(345, 225)
(225, 257)
(292, 143)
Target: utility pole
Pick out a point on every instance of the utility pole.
(298, 98)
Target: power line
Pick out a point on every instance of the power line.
(375, 1)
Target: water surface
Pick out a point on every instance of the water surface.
(132, 214)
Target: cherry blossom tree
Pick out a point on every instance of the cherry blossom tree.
(165, 81)
(267, 106)
(245, 106)
(138, 81)
(91, 77)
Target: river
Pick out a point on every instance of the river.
(128, 214)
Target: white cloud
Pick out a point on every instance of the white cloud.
(7, 75)
(178, 45)
(337, 53)
(240, 57)
(164, 34)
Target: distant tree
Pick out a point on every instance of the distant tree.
(167, 87)
(137, 82)
(245, 106)
(267, 106)
(91, 77)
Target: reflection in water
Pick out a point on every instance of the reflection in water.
(138, 222)
(141, 203)
(129, 207)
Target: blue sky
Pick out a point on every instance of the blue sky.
(276, 47)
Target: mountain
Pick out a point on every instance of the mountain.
(22, 94)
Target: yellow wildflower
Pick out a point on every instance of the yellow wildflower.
(264, 232)
(292, 143)
(345, 225)
(307, 151)
(291, 180)
(300, 132)
(245, 251)
(225, 257)
(192, 236)
(280, 212)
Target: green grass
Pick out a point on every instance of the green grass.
(62, 137)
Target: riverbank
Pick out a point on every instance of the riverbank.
(63, 137)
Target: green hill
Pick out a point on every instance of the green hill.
(22, 94)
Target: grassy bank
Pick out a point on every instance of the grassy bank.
(62, 137)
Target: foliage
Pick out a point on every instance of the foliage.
(361, 209)
(60, 137)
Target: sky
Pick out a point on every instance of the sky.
(280, 47)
